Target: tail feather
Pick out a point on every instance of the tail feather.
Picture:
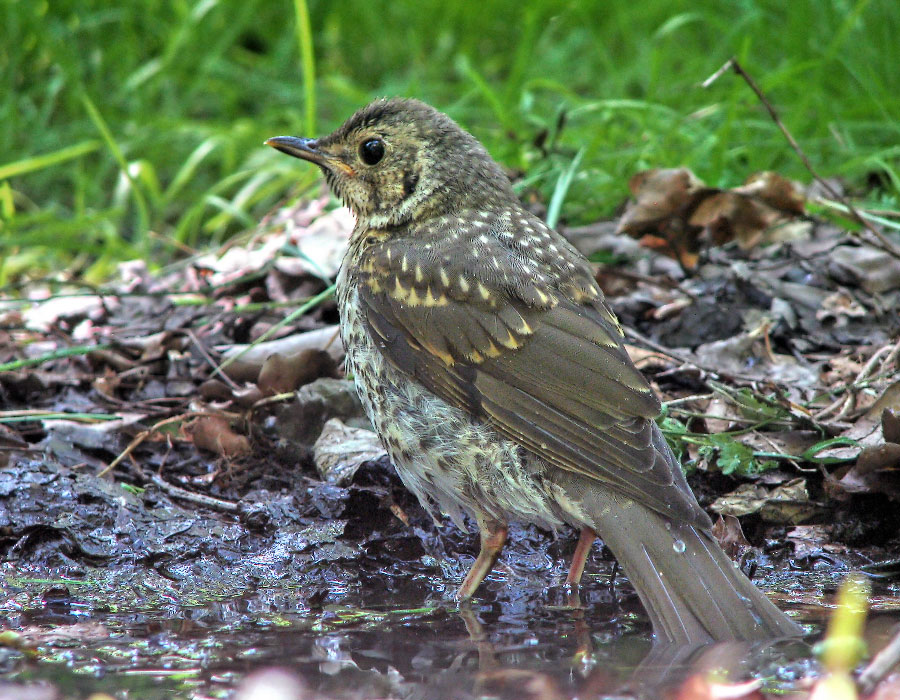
(691, 590)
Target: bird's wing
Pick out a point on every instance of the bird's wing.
(520, 336)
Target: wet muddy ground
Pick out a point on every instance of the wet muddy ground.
(139, 594)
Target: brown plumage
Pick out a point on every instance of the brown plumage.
(496, 376)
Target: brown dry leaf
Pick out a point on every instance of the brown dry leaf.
(215, 390)
(812, 541)
(214, 433)
(663, 199)
(877, 469)
(321, 244)
(107, 384)
(788, 503)
(9, 438)
(785, 442)
(63, 635)
(283, 373)
(842, 369)
(727, 530)
(252, 357)
(746, 354)
(890, 425)
(838, 307)
(719, 414)
(643, 357)
(247, 395)
(728, 216)
(867, 430)
(676, 213)
(660, 192)
(776, 191)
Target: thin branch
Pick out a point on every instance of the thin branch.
(732, 63)
(143, 435)
(193, 497)
(881, 665)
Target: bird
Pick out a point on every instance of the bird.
(495, 373)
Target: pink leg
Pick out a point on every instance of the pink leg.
(493, 537)
(579, 559)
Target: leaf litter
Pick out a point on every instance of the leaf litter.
(166, 467)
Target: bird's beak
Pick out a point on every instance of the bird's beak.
(307, 149)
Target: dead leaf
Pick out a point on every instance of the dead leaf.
(727, 530)
(776, 191)
(63, 635)
(341, 450)
(676, 213)
(788, 503)
(214, 433)
(877, 469)
(719, 414)
(45, 314)
(838, 307)
(746, 355)
(874, 270)
(890, 425)
(889, 399)
(283, 373)
(813, 541)
(321, 245)
(728, 216)
(252, 357)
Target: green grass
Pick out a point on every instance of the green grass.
(130, 127)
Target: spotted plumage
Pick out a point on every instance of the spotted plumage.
(495, 373)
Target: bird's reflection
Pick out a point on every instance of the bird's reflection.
(662, 672)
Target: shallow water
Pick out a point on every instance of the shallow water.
(408, 643)
(133, 594)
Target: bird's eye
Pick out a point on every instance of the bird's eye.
(371, 151)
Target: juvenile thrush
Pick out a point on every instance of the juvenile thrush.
(495, 373)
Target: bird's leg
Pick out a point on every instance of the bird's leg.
(579, 558)
(493, 537)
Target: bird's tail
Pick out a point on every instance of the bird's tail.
(690, 588)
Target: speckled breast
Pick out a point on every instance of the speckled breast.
(450, 461)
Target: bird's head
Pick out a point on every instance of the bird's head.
(398, 160)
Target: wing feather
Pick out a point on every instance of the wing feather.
(545, 364)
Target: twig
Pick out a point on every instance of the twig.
(850, 400)
(789, 459)
(688, 399)
(881, 665)
(140, 437)
(685, 360)
(661, 282)
(890, 359)
(733, 64)
(212, 363)
(199, 498)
